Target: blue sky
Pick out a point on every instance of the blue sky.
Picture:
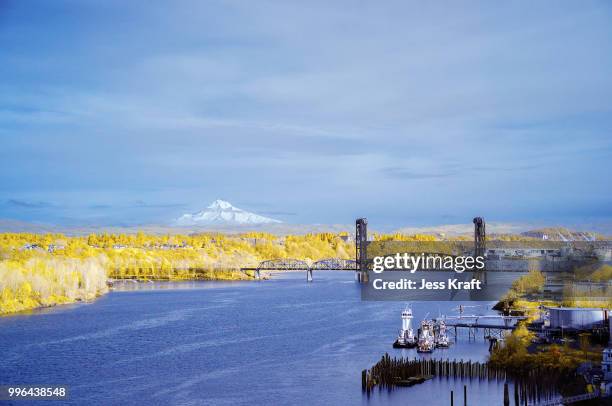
(311, 112)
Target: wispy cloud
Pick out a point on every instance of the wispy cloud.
(404, 173)
(278, 213)
(23, 204)
(141, 204)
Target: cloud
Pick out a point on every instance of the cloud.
(278, 213)
(404, 173)
(24, 204)
(322, 110)
(99, 206)
(142, 204)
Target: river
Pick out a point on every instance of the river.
(280, 341)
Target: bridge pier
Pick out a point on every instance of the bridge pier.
(309, 275)
(257, 274)
(361, 276)
(361, 249)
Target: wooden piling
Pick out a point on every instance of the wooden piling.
(506, 395)
(516, 395)
(364, 375)
(536, 384)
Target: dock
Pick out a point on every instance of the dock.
(492, 326)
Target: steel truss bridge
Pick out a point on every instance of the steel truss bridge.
(290, 264)
(360, 264)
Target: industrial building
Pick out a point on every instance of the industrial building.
(574, 318)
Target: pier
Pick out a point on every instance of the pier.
(486, 323)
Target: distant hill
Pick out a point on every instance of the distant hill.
(460, 230)
(15, 226)
(506, 231)
(562, 234)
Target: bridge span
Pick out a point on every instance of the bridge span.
(290, 264)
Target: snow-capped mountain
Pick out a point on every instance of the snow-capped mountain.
(221, 212)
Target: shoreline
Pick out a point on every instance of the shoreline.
(33, 304)
(34, 309)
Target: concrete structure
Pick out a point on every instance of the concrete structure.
(543, 264)
(522, 252)
(573, 318)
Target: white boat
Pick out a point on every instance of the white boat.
(426, 342)
(406, 337)
(441, 335)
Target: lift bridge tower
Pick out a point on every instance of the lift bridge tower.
(479, 237)
(361, 249)
(480, 247)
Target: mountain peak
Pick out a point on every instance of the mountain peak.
(221, 204)
(221, 212)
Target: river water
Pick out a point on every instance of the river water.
(280, 341)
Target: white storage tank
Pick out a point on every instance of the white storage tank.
(603, 254)
(576, 318)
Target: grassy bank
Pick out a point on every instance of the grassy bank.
(518, 355)
(525, 293)
(42, 282)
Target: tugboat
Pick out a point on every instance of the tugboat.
(426, 341)
(441, 336)
(406, 338)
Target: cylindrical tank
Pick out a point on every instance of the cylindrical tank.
(576, 318)
(603, 254)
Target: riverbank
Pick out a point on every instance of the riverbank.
(178, 275)
(42, 270)
(38, 283)
(26, 297)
